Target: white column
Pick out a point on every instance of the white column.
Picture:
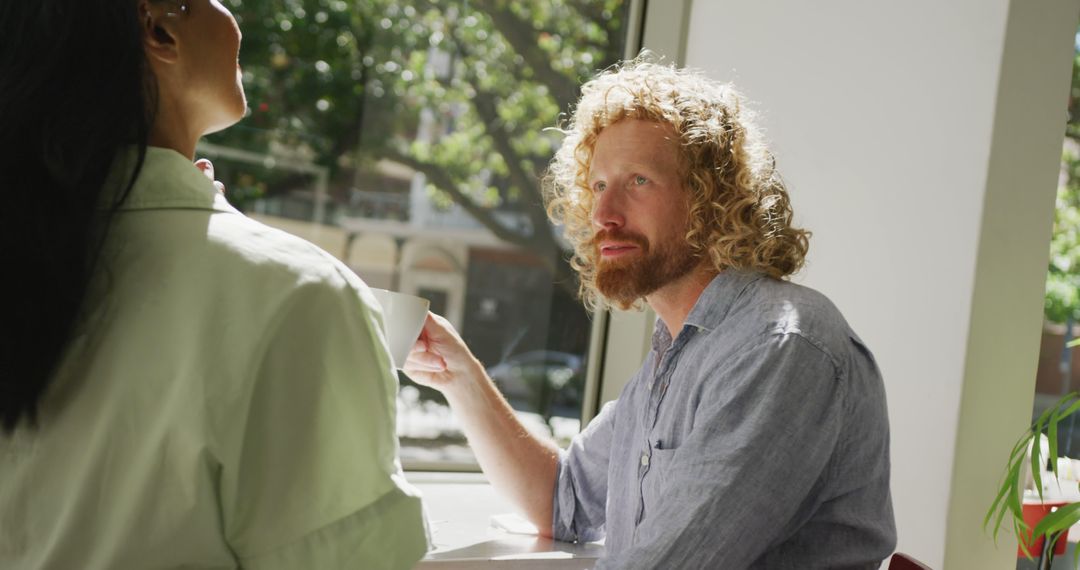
(920, 142)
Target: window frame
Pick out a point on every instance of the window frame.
(618, 340)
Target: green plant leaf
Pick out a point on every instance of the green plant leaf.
(1009, 497)
(1008, 493)
(1049, 417)
(1001, 505)
(1072, 408)
(1021, 446)
(1021, 535)
(1014, 497)
(1052, 437)
(1057, 521)
(1036, 466)
(998, 506)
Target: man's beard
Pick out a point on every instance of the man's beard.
(623, 282)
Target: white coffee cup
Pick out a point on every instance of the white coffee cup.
(403, 317)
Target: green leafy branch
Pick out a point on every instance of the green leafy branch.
(1009, 499)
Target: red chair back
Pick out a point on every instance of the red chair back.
(901, 561)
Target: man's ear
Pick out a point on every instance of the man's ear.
(158, 23)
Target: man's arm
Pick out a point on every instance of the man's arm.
(519, 465)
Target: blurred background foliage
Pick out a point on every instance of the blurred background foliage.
(342, 85)
(1063, 278)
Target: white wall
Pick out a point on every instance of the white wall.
(920, 141)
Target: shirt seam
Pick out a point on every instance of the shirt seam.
(365, 314)
(258, 354)
(838, 371)
(839, 377)
(377, 504)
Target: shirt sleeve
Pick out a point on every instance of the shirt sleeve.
(762, 436)
(312, 479)
(581, 485)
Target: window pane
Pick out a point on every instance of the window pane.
(409, 141)
(1059, 364)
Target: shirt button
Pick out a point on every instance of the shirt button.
(645, 459)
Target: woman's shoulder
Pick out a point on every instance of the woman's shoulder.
(245, 245)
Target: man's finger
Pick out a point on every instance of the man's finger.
(426, 361)
(206, 167)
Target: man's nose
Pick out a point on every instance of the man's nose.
(607, 213)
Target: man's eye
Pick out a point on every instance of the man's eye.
(600, 186)
(639, 180)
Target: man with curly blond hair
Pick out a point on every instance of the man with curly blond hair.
(755, 434)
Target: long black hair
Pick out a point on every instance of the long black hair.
(75, 93)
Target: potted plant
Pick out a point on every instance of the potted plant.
(1046, 521)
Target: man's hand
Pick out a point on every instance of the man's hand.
(519, 465)
(440, 359)
(207, 168)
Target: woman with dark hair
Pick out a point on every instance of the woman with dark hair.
(181, 386)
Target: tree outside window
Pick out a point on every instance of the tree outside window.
(410, 141)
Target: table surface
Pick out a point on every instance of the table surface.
(460, 509)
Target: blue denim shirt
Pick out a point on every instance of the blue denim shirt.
(757, 438)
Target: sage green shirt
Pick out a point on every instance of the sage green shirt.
(230, 403)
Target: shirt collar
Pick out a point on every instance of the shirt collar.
(169, 180)
(713, 305)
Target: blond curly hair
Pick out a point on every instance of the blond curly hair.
(739, 213)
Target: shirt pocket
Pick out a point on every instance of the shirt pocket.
(657, 480)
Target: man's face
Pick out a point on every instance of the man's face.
(639, 211)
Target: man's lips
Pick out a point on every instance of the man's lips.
(616, 249)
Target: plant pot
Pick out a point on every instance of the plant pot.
(1033, 513)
